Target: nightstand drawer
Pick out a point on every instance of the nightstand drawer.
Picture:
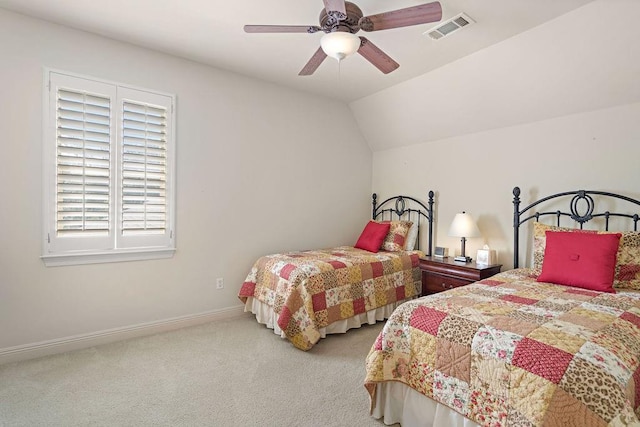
(436, 283)
(441, 274)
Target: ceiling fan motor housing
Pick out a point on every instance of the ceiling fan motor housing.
(331, 21)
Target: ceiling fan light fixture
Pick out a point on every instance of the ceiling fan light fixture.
(340, 44)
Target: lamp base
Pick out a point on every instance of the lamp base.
(462, 259)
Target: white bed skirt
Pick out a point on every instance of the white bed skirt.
(265, 315)
(396, 402)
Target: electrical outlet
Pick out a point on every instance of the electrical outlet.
(219, 283)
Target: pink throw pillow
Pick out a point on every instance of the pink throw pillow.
(372, 236)
(584, 260)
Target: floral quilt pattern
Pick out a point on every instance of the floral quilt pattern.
(510, 351)
(310, 290)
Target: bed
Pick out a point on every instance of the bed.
(546, 345)
(305, 295)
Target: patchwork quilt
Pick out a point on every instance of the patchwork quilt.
(510, 351)
(310, 290)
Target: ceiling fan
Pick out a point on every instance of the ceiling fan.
(341, 20)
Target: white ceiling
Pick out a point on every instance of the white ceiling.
(211, 32)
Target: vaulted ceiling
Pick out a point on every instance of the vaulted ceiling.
(211, 32)
(520, 61)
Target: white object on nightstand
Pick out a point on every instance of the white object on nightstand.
(486, 256)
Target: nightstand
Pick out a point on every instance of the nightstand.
(440, 274)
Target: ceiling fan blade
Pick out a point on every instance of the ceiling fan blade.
(281, 28)
(313, 63)
(377, 57)
(415, 15)
(335, 6)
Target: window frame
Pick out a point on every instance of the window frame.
(114, 247)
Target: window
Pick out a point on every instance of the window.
(109, 155)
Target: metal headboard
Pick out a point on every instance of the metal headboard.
(578, 197)
(400, 209)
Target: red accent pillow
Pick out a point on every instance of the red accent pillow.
(583, 260)
(372, 236)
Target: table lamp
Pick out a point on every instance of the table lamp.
(463, 226)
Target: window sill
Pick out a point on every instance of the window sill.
(80, 258)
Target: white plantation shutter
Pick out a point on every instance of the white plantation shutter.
(83, 163)
(144, 179)
(108, 155)
(144, 169)
(79, 168)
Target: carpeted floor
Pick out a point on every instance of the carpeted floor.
(228, 373)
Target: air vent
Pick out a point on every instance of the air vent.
(450, 26)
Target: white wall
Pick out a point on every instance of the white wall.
(553, 109)
(260, 137)
(582, 61)
(259, 170)
(476, 173)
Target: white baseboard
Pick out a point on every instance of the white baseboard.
(76, 342)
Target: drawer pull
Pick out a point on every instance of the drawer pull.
(444, 286)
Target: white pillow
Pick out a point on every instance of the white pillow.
(412, 236)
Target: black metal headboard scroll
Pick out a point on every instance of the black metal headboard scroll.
(579, 198)
(397, 206)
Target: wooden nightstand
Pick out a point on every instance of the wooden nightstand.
(440, 274)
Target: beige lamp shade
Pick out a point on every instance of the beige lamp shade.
(463, 225)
